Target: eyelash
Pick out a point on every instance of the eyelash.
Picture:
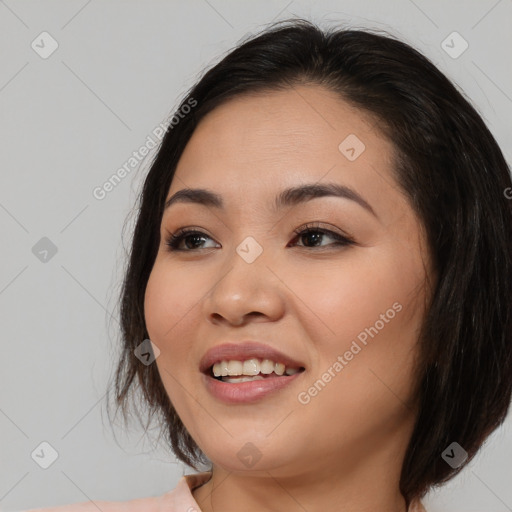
(173, 239)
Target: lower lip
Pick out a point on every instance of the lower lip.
(247, 392)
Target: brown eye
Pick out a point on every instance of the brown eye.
(315, 235)
(191, 237)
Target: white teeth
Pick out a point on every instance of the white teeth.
(235, 367)
(267, 366)
(216, 370)
(250, 367)
(279, 369)
(243, 379)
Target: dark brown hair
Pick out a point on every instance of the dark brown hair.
(454, 175)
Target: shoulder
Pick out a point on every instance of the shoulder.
(178, 499)
(416, 506)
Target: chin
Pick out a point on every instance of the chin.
(248, 457)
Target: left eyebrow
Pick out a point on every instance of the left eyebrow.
(288, 197)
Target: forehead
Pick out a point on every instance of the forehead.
(253, 146)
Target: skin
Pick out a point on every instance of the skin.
(307, 297)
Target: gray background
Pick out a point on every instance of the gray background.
(68, 122)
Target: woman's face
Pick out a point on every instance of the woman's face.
(348, 313)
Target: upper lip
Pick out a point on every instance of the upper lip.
(243, 351)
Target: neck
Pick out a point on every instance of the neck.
(358, 488)
(362, 476)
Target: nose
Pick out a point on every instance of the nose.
(245, 291)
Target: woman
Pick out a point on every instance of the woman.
(322, 262)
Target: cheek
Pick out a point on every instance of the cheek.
(170, 295)
(169, 302)
(364, 372)
(367, 311)
(344, 297)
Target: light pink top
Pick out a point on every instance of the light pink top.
(180, 499)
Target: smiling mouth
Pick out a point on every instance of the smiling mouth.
(234, 371)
